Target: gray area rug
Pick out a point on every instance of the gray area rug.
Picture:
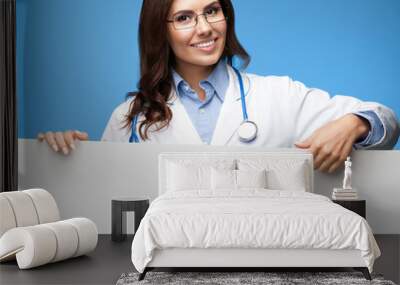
(269, 278)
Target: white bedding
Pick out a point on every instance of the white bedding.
(250, 218)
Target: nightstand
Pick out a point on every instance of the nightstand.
(357, 206)
(119, 207)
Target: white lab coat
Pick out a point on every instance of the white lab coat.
(284, 110)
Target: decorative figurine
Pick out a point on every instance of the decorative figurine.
(346, 192)
(347, 174)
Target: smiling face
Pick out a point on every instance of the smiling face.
(201, 45)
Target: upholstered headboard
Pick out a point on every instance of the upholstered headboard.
(240, 160)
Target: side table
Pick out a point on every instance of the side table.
(119, 207)
(357, 206)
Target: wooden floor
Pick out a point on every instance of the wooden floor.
(111, 259)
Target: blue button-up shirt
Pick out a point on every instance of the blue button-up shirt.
(204, 114)
(376, 131)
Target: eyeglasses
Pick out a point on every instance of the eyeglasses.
(188, 19)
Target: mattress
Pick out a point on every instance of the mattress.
(250, 218)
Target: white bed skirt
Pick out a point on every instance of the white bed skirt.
(193, 257)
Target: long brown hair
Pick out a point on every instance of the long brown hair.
(156, 60)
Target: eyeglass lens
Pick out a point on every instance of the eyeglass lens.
(185, 20)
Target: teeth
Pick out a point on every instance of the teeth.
(206, 44)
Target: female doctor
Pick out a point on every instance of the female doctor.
(189, 93)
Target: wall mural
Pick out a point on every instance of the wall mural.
(210, 72)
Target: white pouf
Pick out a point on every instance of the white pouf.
(31, 232)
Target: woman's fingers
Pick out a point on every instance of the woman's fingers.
(69, 139)
(331, 156)
(332, 143)
(63, 141)
(320, 151)
(321, 155)
(83, 136)
(51, 141)
(328, 163)
(345, 153)
(40, 137)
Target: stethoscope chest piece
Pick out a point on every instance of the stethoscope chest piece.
(247, 131)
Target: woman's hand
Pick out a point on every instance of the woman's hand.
(63, 141)
(333, 142)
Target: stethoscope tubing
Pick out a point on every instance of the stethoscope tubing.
(242, 95)
(134, 137)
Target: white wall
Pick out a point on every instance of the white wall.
(84, 182)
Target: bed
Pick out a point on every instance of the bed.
(245, 210)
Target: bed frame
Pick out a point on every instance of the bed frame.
(248, 259)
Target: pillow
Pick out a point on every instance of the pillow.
(288, 179)
(251, 178)
(189, 174)
(223, 179)
(282, 174)
(181, 178)
(227, 179)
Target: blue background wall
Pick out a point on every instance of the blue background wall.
(77, 59)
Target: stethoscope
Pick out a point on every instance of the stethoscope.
(247, 130)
